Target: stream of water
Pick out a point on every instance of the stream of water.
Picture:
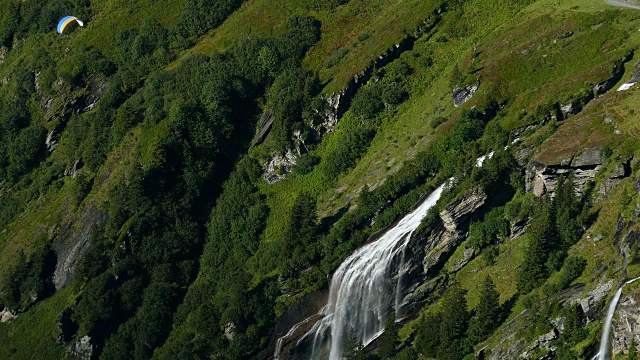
(603, 351)
(365, 290)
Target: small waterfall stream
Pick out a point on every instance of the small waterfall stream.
(603, 351)
(365, 289)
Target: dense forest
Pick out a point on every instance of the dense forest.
(150, 206)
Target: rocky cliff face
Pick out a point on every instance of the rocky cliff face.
(432, 248)
(543, 178)
(296, 322)
(338, 102)
(72, 241)
(626, 327)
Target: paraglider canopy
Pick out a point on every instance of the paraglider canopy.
(66, 21)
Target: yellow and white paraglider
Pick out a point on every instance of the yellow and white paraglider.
(66, 21)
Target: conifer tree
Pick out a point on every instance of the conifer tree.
(453, 326)
(542, 236)
(353, 349)
(388, 342)
(567, 212)
(487, 316)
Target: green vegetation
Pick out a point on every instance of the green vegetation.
(191, 254)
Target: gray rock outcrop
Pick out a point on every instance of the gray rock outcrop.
(72, 242)
(7, 315)
(541, 178)
(81, 349)
(51, 142)
(72, 171)
(432, 247)
(589, 302)
(264, 126)
(626, 325)
(97, 87)
(279, 166)
(464, 94)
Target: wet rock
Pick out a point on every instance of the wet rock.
(462, 95)
(264, 126)
(73, 241)
(279, 166)
(431, 248)
(82, 349)
(302, 316)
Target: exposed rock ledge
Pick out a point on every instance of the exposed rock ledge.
(462, 95)
(627, 324)
(542, 178)
(432, 248)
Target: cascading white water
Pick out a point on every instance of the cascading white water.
(603, 351)
(363, 292)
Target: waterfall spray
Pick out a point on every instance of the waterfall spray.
(363, 293)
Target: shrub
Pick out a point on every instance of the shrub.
(347, 152)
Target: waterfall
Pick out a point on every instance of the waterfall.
(603, 351)
(363, 290)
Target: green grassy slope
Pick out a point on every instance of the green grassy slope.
(516, 49)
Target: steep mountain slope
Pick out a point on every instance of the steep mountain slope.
(181, 179)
